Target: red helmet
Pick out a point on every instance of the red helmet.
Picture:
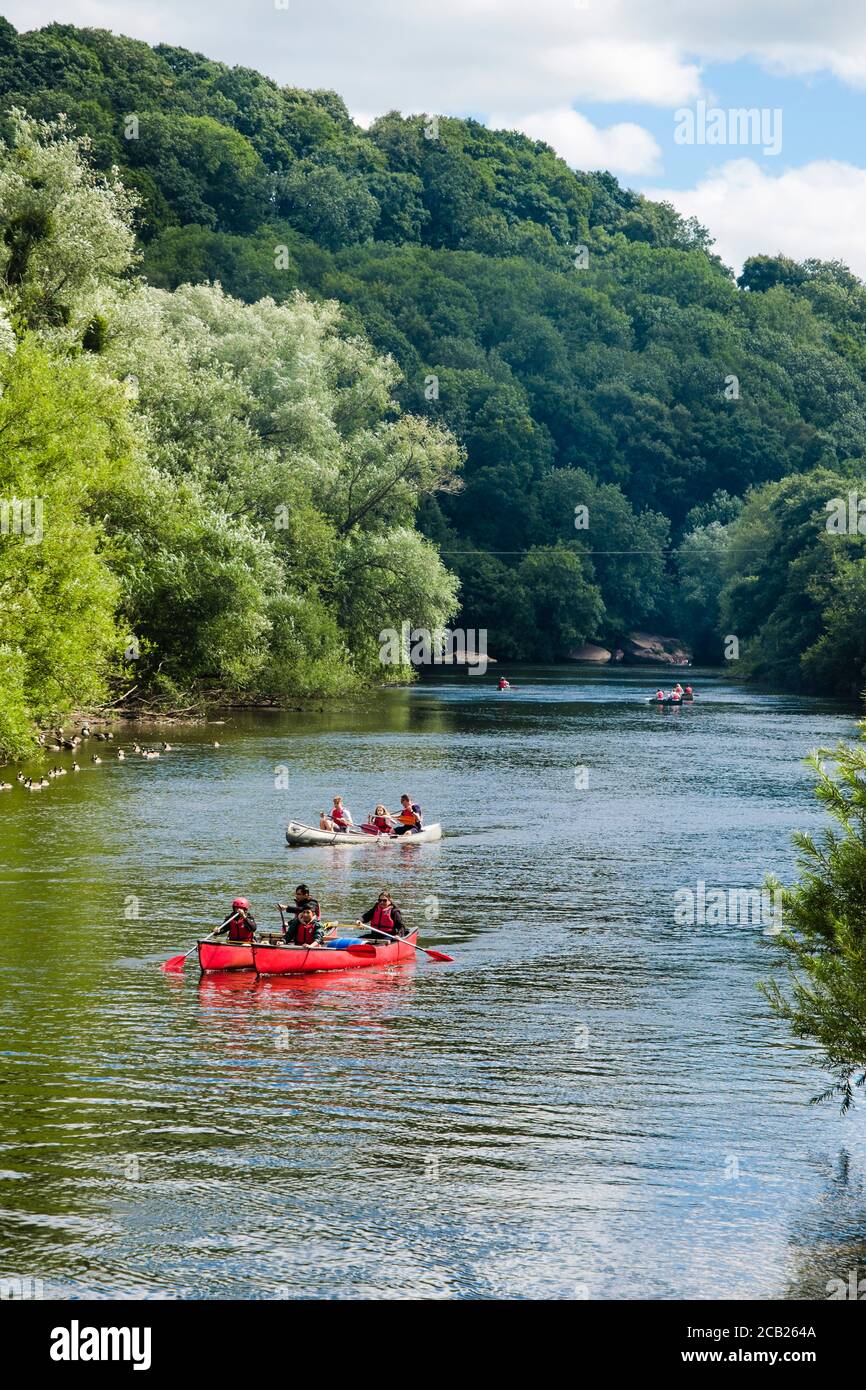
(240, 902)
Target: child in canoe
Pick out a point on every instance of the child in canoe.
(241, 925)
(381, 821)
(306, 930)
(340, 817)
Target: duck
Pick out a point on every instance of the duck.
(20, 777)
(109, 736)
(166, 748)
(120, 755)
(216, 745)
(75, 767)
(100, 736)
(135, 748)
(5, 786)
(60, 772)
(94, 759)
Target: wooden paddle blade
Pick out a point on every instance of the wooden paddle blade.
(176, 963)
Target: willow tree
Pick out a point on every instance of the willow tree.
(824, 932)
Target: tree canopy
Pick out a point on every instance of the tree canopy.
(582, 345)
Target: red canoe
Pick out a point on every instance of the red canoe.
(304, 960)
(225, 955)
(231, 955)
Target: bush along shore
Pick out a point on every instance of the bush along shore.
(219, 496)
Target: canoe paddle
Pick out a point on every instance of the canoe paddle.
(178, 962)
(434, 955)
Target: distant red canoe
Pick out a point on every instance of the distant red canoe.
(305, 960)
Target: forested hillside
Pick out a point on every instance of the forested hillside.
(582, 345)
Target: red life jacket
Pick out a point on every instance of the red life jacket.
(305, 933)
(382, 918)
(381, 822)
(240, 929)
(338, 815)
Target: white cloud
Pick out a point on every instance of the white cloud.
(818, 210)
(480, 56)
(608, 68)
(623, 148)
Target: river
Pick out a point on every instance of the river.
(590, 1102)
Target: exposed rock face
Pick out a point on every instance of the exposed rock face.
(590, 652)
(651, 647)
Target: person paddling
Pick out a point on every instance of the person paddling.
(409, 818)
(306, 930)
(340, 817)
(503, 683)
(382, 820)
(241, 926)
(303, 902)
(385, 917)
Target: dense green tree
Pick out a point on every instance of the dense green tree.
(232, 485)
(823, 932)
(791, 559)
(566, 607)
(553, 320)
(63, 436)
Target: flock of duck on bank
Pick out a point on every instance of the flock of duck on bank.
(74, 744)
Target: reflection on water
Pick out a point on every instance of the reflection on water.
(596, 1094)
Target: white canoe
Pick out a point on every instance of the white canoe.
(298, 834)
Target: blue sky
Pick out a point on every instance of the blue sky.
(822, 119)
(600, 80)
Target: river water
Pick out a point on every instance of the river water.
(590, 1102)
